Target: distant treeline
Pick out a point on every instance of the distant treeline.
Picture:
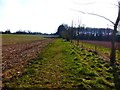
(24, 32)
(82, 33)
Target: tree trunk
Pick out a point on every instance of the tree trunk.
(113, 54)
(113, 59)
(78, 37)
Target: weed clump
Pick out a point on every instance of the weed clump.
(72, 52)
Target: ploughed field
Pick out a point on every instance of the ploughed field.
(18, 51)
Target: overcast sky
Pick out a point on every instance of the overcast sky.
(46, 15)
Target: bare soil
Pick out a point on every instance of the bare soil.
(16, 57)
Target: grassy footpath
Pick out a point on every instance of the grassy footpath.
(63, 65)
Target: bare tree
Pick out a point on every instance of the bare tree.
(113, 53)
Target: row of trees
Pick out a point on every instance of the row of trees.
(82, 33)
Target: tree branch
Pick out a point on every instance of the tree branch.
(95, 15)
(118, 18)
